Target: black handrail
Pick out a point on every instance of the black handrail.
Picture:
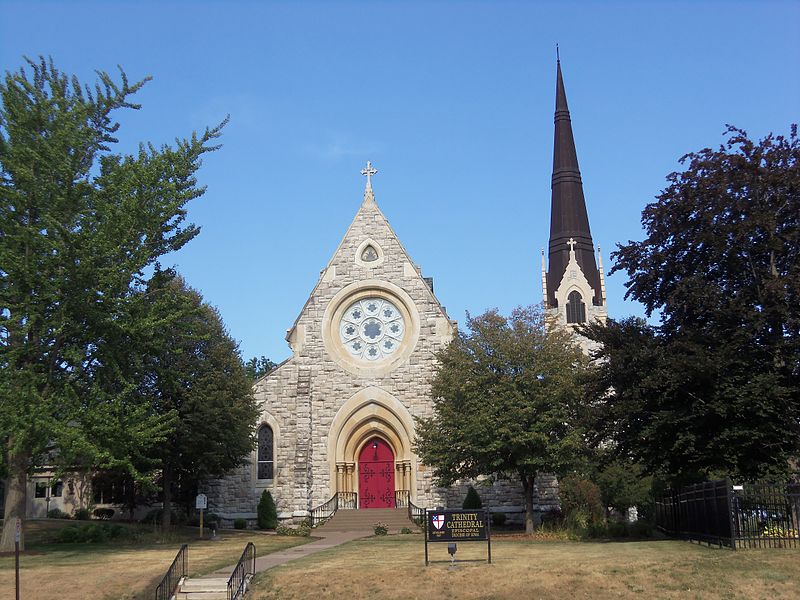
(415, 513)
(401, 498)
(176, 572)
(242, 572)
(323, 512)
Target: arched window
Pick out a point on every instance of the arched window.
(369, 254)
(576, 309)
(266, 453)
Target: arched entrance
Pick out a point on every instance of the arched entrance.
(376, 475)
(372, 416)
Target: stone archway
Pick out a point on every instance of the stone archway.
(371, 414)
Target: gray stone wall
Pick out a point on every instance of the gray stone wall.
(303, 394)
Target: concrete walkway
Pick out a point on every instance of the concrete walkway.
(330, 540)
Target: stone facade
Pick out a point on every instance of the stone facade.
(323, 405)
(327, 404)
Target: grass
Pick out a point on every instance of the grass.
(393, 567)
(122, 570)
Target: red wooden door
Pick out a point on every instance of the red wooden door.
(376, 475)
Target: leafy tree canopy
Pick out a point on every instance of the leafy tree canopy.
(79, 224)
(715, 389)
(506, 402)
(195, 375)
(258, 367)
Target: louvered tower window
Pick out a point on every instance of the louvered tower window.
(576, 309)
(266, 463)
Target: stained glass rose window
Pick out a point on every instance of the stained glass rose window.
(372, 328)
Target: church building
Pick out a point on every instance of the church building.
(337, 419)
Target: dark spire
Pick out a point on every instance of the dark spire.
(568, 217)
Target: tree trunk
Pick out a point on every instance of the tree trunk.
(166, 484)
(527, 486)
(16, 498)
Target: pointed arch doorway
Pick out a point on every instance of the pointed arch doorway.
(376, 475)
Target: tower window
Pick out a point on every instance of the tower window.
(266, 463)
(576, 309)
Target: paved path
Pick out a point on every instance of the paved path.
(330, 540)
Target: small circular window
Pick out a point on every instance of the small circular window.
(372, 328)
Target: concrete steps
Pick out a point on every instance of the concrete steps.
(215, 588)
(365, 519)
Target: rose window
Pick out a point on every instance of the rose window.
(372, 328)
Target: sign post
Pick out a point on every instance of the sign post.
(426, 537)
(17, 539)
(201, 502)
(458, 526)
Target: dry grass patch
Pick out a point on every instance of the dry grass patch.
(393, 567)
(118, 571)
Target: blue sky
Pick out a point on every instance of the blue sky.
(452, 102)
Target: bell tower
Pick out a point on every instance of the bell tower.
(573, 286)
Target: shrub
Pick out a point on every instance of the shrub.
(405, 530)
(90, 533)
(553, 518)
(640, 529)
(82, 514)
(472, 499)
(499, 519)
(104, 514)
(55, 513)
(380, 528)
(240, 523)
(302, 531)
(581, 502)
(267, 512)
(154, 517)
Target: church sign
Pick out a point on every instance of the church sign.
(457, 526)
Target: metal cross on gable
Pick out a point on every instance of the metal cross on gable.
(369, 171)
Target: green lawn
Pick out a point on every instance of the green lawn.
(393, 567)
(123, 570)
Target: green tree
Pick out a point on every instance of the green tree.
(79, 226)
(506, 403)
(715, 389)
(258, 367)
(267, 511)
(623, 485)
(194, 373)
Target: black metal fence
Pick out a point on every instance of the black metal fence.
(758, 515)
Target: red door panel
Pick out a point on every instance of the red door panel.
(376, 475)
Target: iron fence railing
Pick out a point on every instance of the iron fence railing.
(244, 570)
(175, 573)
(415, 513)
(757, 515)
(347, 500)
(766, 515)
(340, 500)
(401, 498)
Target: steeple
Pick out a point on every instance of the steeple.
(568, 218)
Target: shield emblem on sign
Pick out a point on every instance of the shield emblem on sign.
(438, 521)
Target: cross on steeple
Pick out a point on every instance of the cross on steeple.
(369, 171)
(571, 243)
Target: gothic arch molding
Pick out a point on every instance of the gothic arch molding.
(369, 413)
